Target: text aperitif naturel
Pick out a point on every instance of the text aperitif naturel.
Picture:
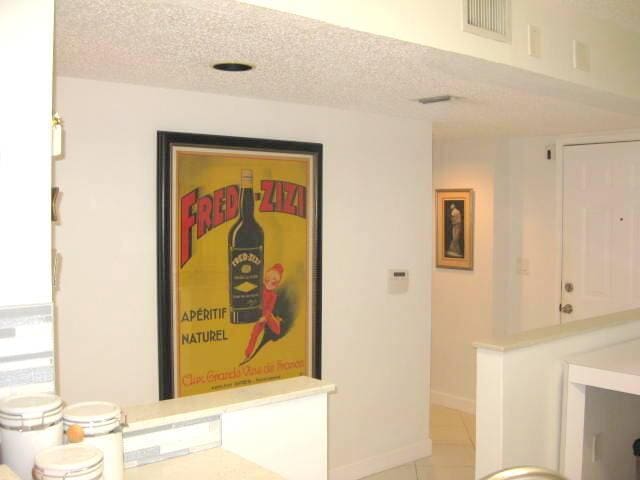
(206, 336)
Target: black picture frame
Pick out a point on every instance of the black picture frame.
(166, 140)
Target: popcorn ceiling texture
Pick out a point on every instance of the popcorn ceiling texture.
(173, 43)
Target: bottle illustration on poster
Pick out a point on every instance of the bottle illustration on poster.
(246, 258)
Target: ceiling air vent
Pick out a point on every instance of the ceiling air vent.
(488, 18)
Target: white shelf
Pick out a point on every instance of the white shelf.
(557, 332)
(615, 368)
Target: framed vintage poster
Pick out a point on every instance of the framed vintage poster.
(454, 229)
(239, 261)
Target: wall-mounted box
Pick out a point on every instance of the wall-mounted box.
(168, 439)
(398, 281)
(26, 350)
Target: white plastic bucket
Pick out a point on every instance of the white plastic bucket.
(69, 462)
(100, 422)
(28, 424)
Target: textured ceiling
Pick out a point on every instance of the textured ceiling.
(172, 44)
(625, 13)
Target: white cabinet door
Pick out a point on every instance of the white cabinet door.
(601, 229)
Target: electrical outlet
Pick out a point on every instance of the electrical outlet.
(581, 56)
(595, 448)
(534, 41)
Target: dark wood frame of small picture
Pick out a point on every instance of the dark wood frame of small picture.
(465, 195)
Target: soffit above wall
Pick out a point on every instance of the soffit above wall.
(173, 43)
(625, 13)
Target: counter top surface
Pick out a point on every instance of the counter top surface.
(557, 332)
(216, 403)
(7, 474)
(212, 464)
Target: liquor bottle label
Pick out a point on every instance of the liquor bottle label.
(246, 277)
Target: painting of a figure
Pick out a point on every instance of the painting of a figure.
(454, 222)
(454, 229)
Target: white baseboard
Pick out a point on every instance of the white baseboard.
(453, 401)
(379, 463)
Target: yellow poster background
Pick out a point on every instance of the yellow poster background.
(201, 298)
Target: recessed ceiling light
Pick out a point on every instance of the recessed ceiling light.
(438, 99)
(232, 67)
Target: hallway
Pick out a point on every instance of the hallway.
(453, 436)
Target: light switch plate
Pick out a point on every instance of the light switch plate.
(523, 266)
(534, 41)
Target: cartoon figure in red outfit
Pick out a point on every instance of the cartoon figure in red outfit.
(272, 279)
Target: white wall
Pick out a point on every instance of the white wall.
(533, 234)
(26, 43)
(438, 24)
(377, 216)
(515, 218)
(462, 305)
(262, 434)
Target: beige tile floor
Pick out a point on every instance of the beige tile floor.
(453, 435)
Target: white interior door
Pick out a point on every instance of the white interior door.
(601, 229)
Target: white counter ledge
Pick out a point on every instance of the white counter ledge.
(557, 332)
(225, 401)
(213, 464)
(267, 431)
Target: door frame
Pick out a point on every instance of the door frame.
(570, 141)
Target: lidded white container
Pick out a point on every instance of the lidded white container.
(100, 422)
(69, 462)
(29, 423)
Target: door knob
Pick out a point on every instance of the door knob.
(568, 287)
(568, 308)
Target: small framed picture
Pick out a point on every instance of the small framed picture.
(454, 228)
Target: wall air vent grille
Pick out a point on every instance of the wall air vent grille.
(488, 18)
